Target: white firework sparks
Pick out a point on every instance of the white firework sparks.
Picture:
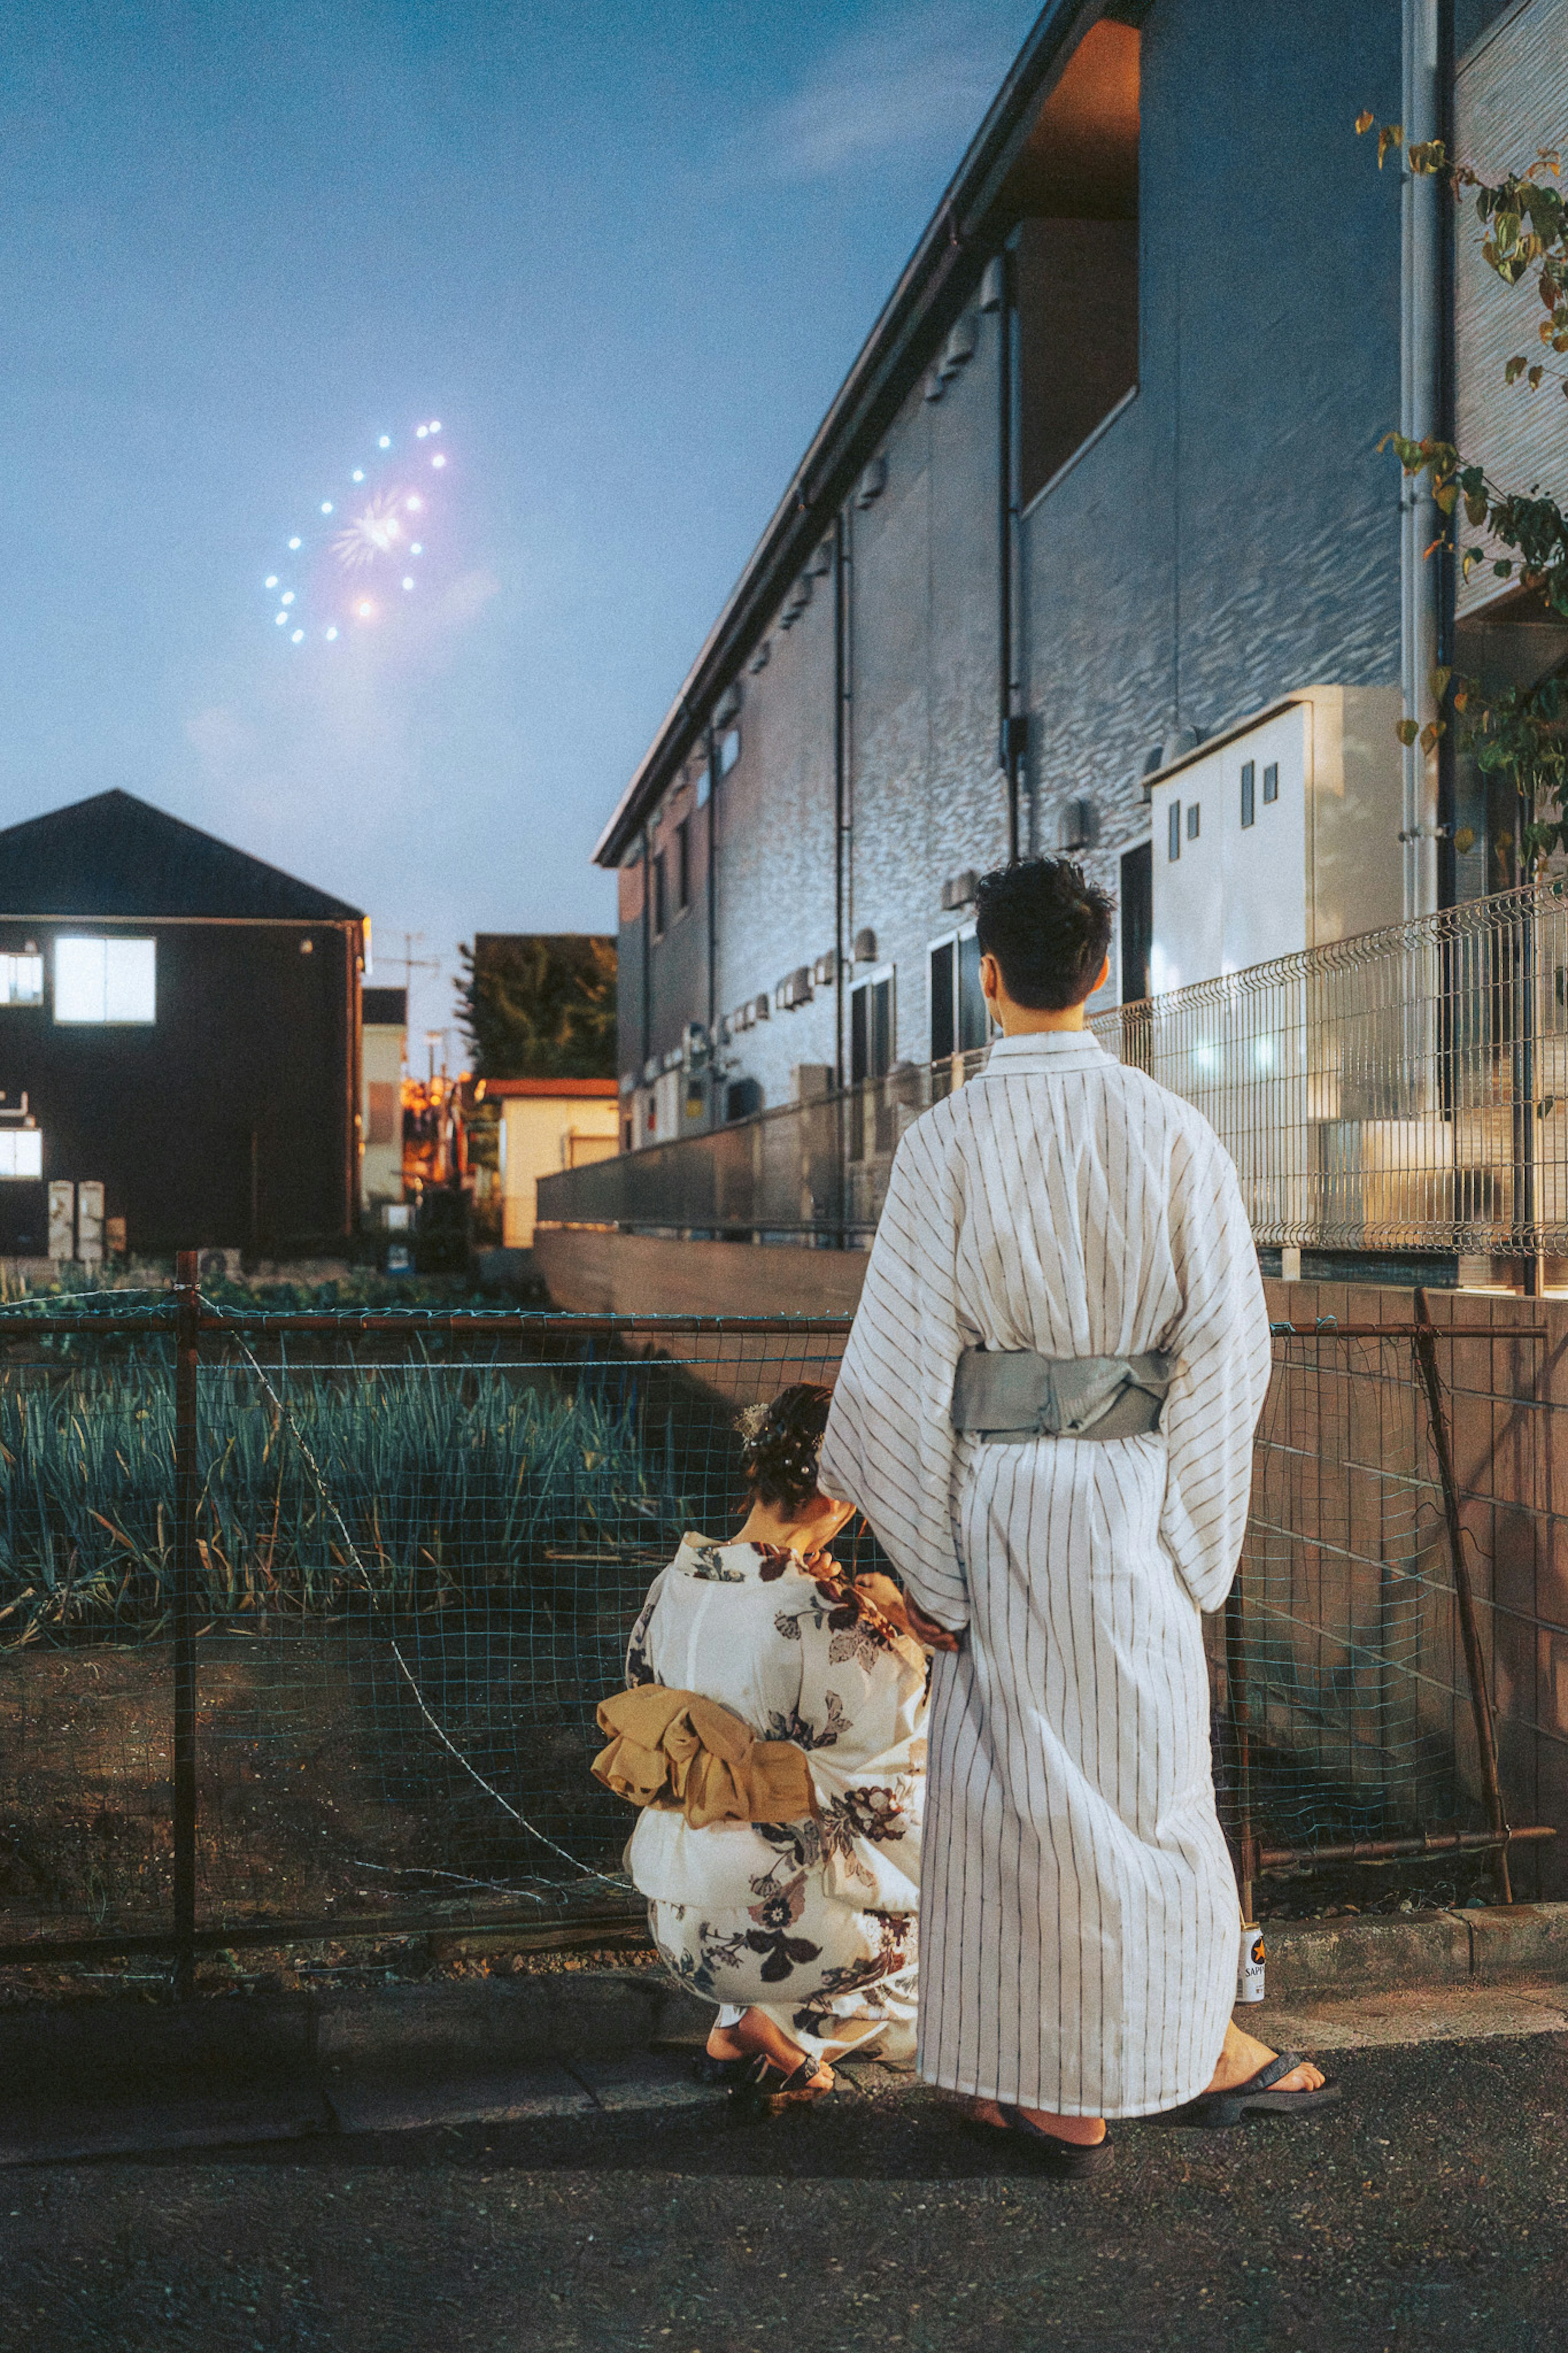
(376, 531)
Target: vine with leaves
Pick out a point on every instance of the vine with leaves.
(1517, 733)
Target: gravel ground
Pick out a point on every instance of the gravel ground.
(1429, 2212)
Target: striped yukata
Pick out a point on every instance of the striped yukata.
(1077, 1908)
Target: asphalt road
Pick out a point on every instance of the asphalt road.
(1430, 2211)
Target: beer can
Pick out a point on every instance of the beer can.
(1249, 1966)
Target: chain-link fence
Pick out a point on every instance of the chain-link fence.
(1378, 1695)
(304, 1619)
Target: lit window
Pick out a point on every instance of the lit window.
(105, 980)
(21, 1152)
(21, 979)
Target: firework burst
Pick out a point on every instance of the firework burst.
(364, 552)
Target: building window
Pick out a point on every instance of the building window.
(871, 1028)
(1174, 840)
(661, 897)
(959, 1021)
(729, 751)
(1271, 782)
(21, 1153)
(105, 980)
(21, 979)
(1194, 816)
(683, 864)
(1248, 792)
(383, 1108)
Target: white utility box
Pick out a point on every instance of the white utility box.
(1278, 835)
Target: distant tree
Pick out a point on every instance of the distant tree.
(539, 1005)
(1520, 732)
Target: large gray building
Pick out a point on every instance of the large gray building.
(1096, 549)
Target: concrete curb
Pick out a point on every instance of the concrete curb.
(126, 2078)
(1504, 1944)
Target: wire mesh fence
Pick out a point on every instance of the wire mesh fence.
(304, 1619)
(414, 1549)
(1369, 1698)
(1404, 1089)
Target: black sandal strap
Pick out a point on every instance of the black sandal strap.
(1283, 2063)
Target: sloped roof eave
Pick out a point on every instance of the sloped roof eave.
(880, 376)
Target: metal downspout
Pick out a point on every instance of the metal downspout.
(715, 1075)
(646, 958)
(1011, 729)
(840, 781)
(1420, 415)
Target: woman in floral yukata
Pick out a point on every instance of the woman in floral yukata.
(802, 1932)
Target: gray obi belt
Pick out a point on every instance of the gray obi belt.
(1016, 1393)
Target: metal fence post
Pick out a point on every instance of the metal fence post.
(188, 1487)
(1464, 1595)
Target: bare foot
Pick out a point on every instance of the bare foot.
(1084, 2132)
(1243, 2055)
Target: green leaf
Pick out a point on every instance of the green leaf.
(1408, 730)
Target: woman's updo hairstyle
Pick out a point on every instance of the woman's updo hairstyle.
(780, 1444)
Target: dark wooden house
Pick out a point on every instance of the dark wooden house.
(179, 1027)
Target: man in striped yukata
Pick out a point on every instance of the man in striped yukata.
(1046, 1411)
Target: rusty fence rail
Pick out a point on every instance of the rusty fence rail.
(304, 1617)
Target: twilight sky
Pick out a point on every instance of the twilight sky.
(624, 252)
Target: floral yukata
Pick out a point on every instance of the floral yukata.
(814, 1920)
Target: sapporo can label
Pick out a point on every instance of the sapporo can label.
(1249, 1966)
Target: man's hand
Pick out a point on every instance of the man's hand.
(926, 1630)
(899, 1610)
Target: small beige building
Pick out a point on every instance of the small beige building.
(385, 1035)
(548, 1125)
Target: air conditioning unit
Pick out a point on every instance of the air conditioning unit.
(993, 284)
(933, 384)
(694, 1042)
(760, 658)
(873, 484)
(825, 971)
(1078, 826)
(762, 1008)
(959, 890)
(865, 947)
(794, 989)
(728, 706)
(822, 562)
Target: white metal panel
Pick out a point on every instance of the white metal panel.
(1236, 894)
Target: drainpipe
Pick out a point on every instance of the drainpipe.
(1420, 414)
(647, 955)
(715, 1076)
(1012, 726)
(841, 586)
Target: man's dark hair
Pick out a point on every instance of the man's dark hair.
(1047, 929)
